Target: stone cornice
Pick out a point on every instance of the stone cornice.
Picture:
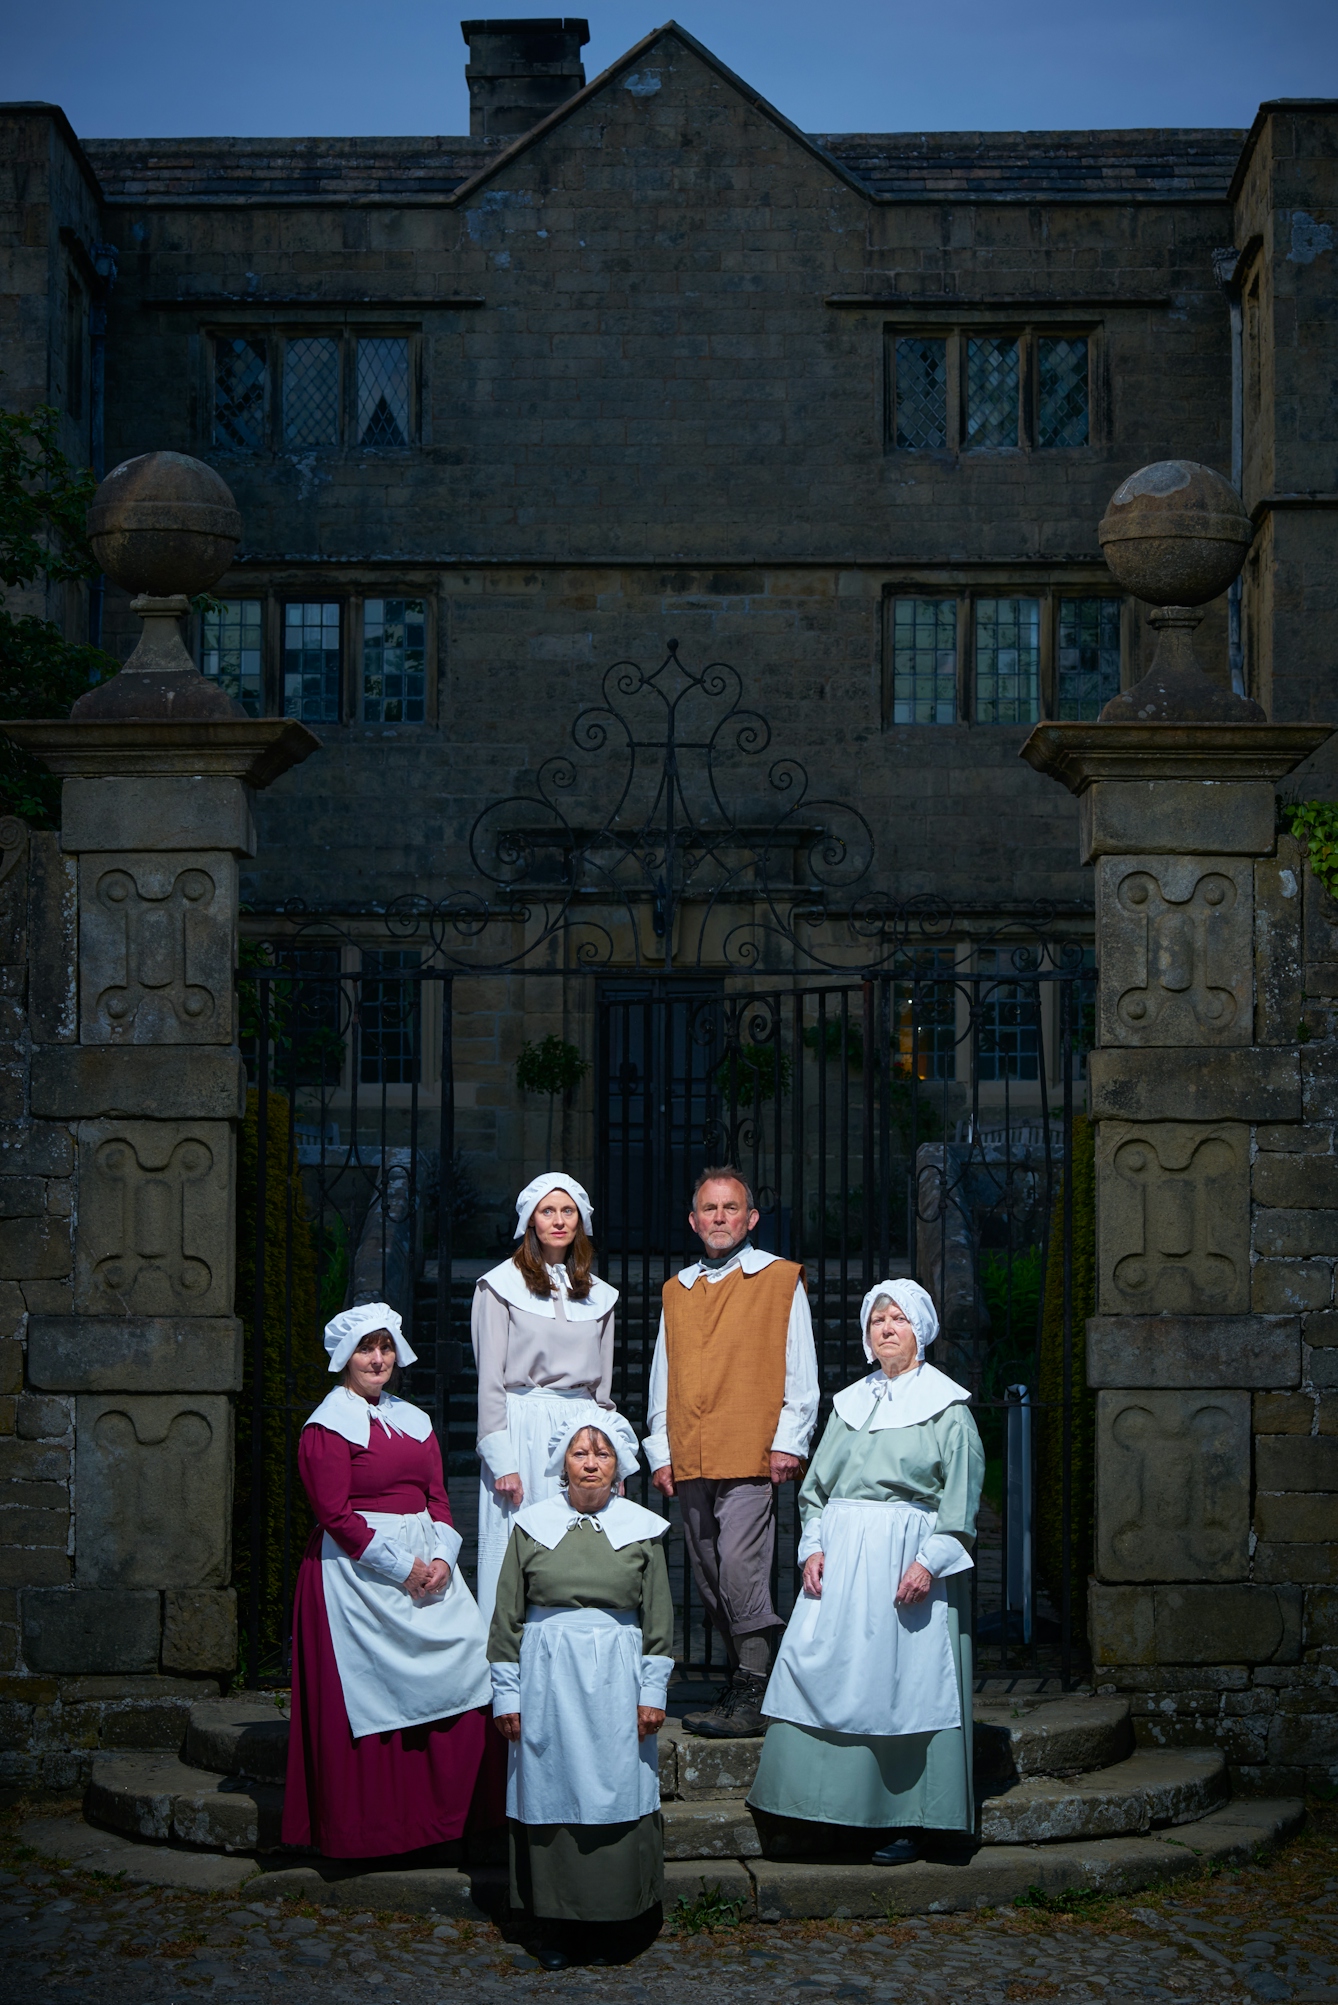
(256, 750)
(1078, 754)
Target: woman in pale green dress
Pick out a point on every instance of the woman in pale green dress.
(870, 1698)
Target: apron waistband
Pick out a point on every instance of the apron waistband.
(879, 1504)
(391, 1521)
(550, 1392)
(586, 1618)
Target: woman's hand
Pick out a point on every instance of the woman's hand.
(416, 1584)
(649, 1720)
(510, 1489)
(813, 1570)
(434, 1577)
(916, 1583)
(507, 1725)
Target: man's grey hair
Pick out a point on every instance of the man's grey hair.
(723, 1173)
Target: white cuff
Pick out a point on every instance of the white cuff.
(942, 1554)
(791, 1438)
(505, 1688)
(655, 1448)
(811, 1539)
(383, 1556)
(655, 1675)
(448, 1544)
(499, 1454)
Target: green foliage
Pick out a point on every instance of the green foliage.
(332, 1258)
(825, 1041)
(1069, 1900)
(1012, 1292)
(1050, 1388)
(552, 1066)
(1315, 825)
(749, 1074)
(707, 1911)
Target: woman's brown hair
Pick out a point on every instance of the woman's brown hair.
(580, 1257)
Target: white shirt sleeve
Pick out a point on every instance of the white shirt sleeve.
(448, 1544)
(942, 1553)
(799, 1407)
(656, 1443)
(384, 1556)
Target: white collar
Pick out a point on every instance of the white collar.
(903, 1401)
(750, 1258)
(621, 1521)
(508, 1282)
(348, 1414)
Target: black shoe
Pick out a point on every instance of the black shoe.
(549, 1957)
(901, 1852)
(739, 1715)
(692, 1722)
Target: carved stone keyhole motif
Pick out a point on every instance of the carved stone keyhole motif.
(156, 915)
(149, 1469)
(1170, 1215)
(1177, 1478)
(151, 1260)
(1182, 944)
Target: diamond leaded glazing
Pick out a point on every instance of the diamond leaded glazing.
(1008, 661)
(1061, 380)
(1089, 657)
(924, 661)
(991, 392)
(230, 650)
(241, 385)
(922, 392)
(311, 662)
(394, 660)
(311, 391)
(383, 393)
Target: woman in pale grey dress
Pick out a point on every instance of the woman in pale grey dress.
(542, 1327)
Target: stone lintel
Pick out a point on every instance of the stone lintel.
(1236, 1623)
(1188, 1083)
(138, 1082)
(199, 812)
(145, 1354)
(1078, 754)
(90, 1630)
(1217, 817)
(254, 749)
(1262, 1352)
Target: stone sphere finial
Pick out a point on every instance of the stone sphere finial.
(1176, 534)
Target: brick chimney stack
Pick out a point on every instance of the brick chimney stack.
(519, 71)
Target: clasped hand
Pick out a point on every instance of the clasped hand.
(649, 1720)
(427, 1578)
(916, 1582)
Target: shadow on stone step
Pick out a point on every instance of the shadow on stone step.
(831, 1844)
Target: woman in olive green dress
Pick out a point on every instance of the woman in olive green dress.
(870, 1697)
(581, 1649)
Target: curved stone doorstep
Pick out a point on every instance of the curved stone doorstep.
(247, 1736)
(1150, 1789)
(157, 1797)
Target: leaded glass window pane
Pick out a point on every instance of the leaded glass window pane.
(991, 392)
(1089, 657)
(922, 392)
(394, 660)
(924, 661)
(311, 662)
(230, 650)
(925, 1003)
(383, 393)
(241, 389)
(1008, 661)
(311, 391)
(1005, 1019)
(1061, 371)
(390, 1013)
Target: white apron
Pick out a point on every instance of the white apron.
(578, 1760)
(533, 1416)
(850, 1660)
(402, 1663)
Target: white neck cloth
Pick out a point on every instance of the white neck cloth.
(621, 1521)
(507, 1281)
(912, 1397)
(348, 1414)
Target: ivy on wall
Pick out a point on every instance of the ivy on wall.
(1050, 1387)
(1315, 826)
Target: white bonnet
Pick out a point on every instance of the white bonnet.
(916, 1305)
(618, 1431)
(344, 1332)
(538, 1189)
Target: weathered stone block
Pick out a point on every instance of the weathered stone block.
(1305, 1738)
(1301, 1183)
(200, 1629)
(1279, 985)
(1174, 1218)
(156, 948)
(135, 1353)
(83, 1082)
(31, 1528)
(38, 1149)
(1283, 1413)
(1323, 1371)
(14, 836)
(156, 1225)
(22, 1197)
(162, 813)
(1319, 1081)
(28, 1566)
(12, 1308)
(43, 1419)
(154, 1482)
(1290, 1139)
(1283, 1464)
(1295, 1235)
(1321, 1617)
(1317, 1565)
(1321, 1328)
(1173, 1485)
(11, 1365)
(1241, 1624)
(1178, 1084)
(87, 1629)
(34, 1462)
(32, 1247)
(1186, 1351)
(49, 1298)
(1277, 1286)
(1295, 1519)
(1221, 817)
(1177, 950)
(53, 916)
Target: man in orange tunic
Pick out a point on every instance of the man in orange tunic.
(732, 1404)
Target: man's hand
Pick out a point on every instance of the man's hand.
(649, 1720)
(813, 1571)
(510, 1489)
(784, 1468)
(663, 1480)
(916, 1583)
(507, 1725)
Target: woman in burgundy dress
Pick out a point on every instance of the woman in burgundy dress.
(389, 1749)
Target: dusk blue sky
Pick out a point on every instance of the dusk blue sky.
(137, 68)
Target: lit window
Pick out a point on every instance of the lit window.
(383, 393)
(311, 662)
(394, 660)
(311, 391)
(390, 1015)
(1008, 661)
(924, 661)
(1061, 374)
(925, 1002)
(922, 392)
(991, 393)
(241, 387)
(230, 650)
(1089, 657)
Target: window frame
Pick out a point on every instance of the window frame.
(274, 337)
(273, 597)
(1048, 591)
(1028, 333)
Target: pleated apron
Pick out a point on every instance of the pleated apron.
(578, 1760)
(533, 1416)
(401, 1662)
(851, 1661)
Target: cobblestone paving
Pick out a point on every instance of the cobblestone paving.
(1265, 1932)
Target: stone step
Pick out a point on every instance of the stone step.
(1148, 1790)
(244, 1736)
(1021, 1737)
(157, 1797)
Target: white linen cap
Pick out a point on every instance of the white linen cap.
(536, 1191)
(609, 1423)
(344, 1332)
(916, 1305)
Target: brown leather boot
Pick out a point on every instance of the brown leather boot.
(739, 1714)
(692, 1722)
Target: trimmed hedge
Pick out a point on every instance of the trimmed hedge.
(1050, 1390)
